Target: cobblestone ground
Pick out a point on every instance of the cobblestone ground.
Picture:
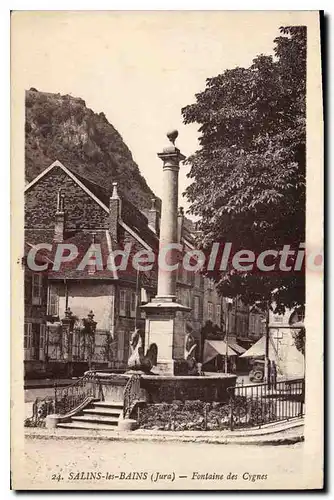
(55, 464)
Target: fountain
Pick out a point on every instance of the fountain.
(167, 371)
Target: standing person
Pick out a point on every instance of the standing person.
(273, 374)
(268, 373)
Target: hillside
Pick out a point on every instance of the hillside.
(63, 128)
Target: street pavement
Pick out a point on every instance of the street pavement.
(68, 464)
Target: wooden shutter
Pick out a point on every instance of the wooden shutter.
(42, 342)
(37, 289)
(27, 340)
(53, 302)
(120, 346)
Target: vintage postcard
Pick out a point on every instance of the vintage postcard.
(167, 250)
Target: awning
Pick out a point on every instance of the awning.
(259, 349)
(214, 347)
(237, 348)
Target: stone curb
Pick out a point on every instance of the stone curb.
(284, 437)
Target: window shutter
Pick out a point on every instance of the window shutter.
(196, 307)
(122, 303)
(133, 304)
(25, 338)
(42, 342)
(120, 346)
(218, 314)
(29, 335)
(53, 302)
(27, 342)
(37, 289)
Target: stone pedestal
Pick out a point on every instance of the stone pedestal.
(161, 330)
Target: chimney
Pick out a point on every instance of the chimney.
(115, 210)
(153, 217)
(59, 219)
(180, 219)
(92, 267)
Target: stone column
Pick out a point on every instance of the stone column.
(171, 157)
(162, 328)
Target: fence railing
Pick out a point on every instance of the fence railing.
(131, 394)
(69, 397)
(66, 399)
(260, 404)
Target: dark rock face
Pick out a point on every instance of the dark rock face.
(63, 128)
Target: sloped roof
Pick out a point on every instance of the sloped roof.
(132, 217)
(214, 347)
(132, 221)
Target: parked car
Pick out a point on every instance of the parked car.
(257, 372)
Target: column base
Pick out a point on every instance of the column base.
(164, 368)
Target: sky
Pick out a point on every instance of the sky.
(140, 68)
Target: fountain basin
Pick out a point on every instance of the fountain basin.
(168, 388)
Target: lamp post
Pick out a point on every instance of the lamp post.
(228, 302)
(89, 330)
(67, 333)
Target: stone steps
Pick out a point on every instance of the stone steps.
(109, 412)
(108, 404)
(103, 419)
(87, 426)
(99, 415)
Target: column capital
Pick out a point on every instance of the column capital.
(172, 155)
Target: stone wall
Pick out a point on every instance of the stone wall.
(81, 210)
(182, 388)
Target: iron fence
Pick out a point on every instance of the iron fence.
(131, 394)
(260, 404)
(69, 397)
(40, 409)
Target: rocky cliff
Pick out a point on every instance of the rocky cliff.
(62, 128)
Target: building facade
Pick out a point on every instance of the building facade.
(64, 208)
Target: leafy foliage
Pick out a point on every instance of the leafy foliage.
(299, 339)
(249, 174)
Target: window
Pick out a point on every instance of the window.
(133, 305)
(210, 311)
(196, 307)
(53, 301)
(122, 303)
(278, 318)
(42, 337)
(27, 335)
(187, 298)
(120, 345)
(184, 274)
(198, 280)
(218, 314)
(37, 289)
(144, 296)
(211, 284)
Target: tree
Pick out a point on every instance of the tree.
(299, 339)
(249, 174)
